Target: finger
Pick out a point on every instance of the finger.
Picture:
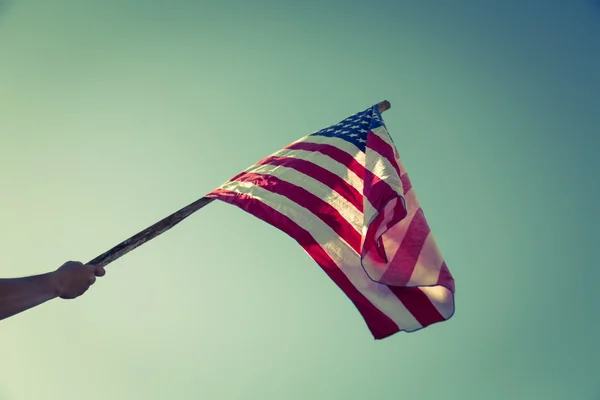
(92, 280)
(100, 271)
(91, 269)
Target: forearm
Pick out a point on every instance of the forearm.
(20, 294)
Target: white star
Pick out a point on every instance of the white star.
(363, 131)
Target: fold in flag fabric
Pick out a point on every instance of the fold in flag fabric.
(343, 194)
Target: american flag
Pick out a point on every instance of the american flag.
(343, 194)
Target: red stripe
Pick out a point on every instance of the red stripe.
(374, 245)
(380, 191)
(418, 304)
(321, 174)
(408, 253)
(400, 211)
(334, 153)
(376, 143)
(380, 325)
(406, 183)
(377, 191)
(321, 209)
(445, 278)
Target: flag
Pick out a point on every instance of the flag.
(343, 194)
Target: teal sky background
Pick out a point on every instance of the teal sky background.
(114, 114)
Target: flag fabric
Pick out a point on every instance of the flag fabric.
(343, 194)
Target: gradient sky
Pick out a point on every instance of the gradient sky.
(114, 114)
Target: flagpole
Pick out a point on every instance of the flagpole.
(166, 223)
(149, 233)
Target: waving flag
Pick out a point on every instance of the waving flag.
(343, 194)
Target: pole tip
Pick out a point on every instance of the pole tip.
(383, 106)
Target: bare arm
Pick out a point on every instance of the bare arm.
(71, 280)
(20, 294)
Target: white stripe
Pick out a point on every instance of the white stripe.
(428, 266)
(328, 163)
(341, 253)
(441, 298)
(378, 165)
(341, 144)
(322, 191)
(383, 169)
(334, 167)
(394, 236)
(385, 136)
(388, 215)
(378, 170)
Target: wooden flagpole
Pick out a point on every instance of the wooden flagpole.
(166, 223)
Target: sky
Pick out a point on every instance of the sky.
(115, 114)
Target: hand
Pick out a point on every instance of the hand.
(73, 278)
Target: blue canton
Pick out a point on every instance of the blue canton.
(355, 128)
